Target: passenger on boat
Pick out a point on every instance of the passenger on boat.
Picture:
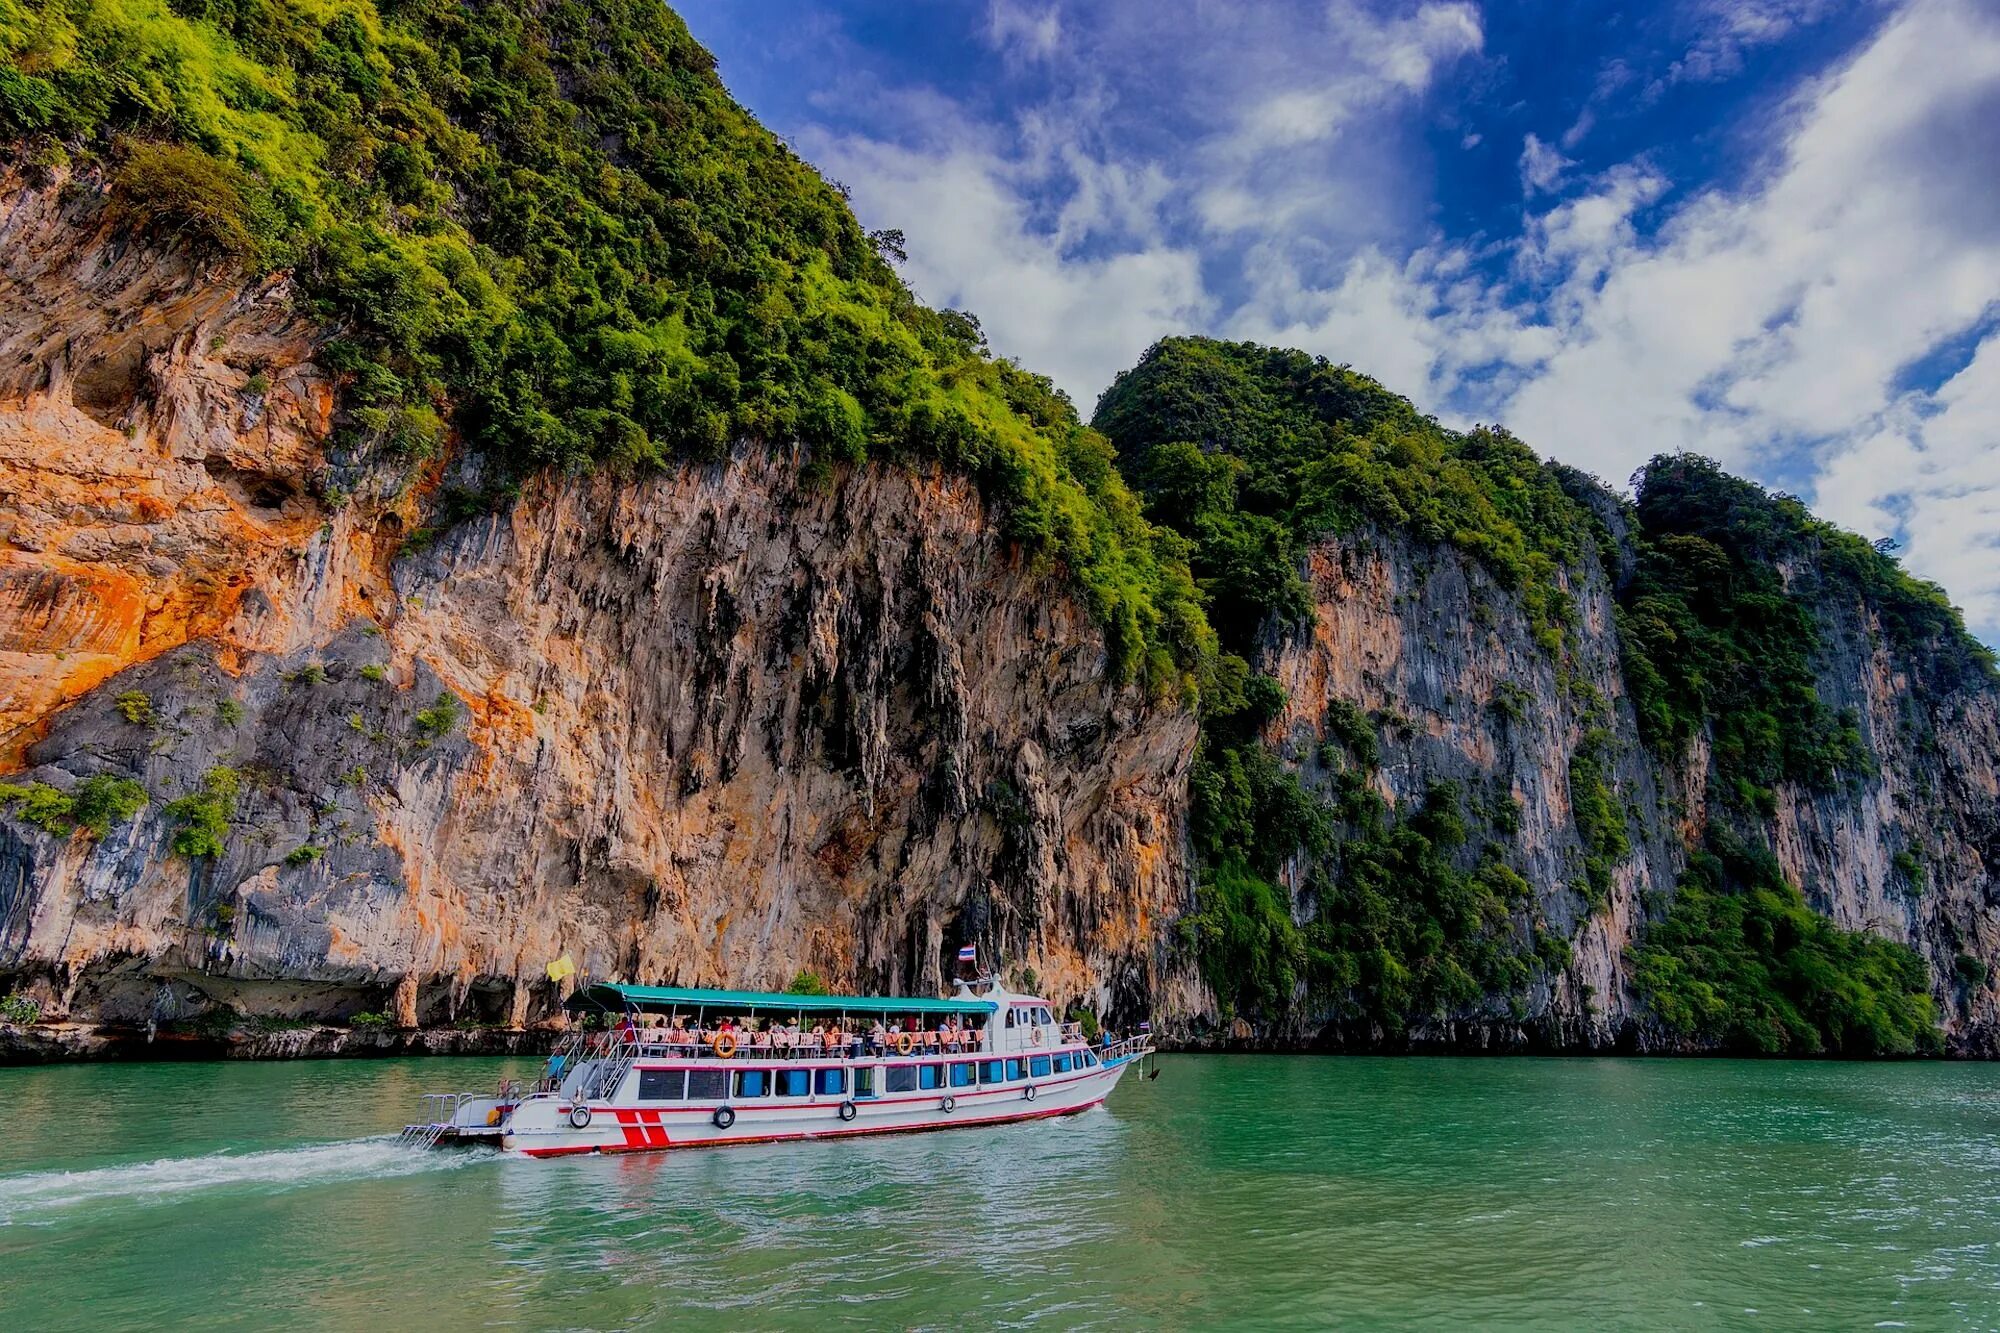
(678, 1035)
(878, 1038)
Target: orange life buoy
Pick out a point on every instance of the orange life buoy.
(1035, 1037)
(725, 1045)
(904, 1041)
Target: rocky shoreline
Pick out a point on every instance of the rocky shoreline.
(63, 1043)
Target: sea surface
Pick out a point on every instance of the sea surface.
(1251, 1192)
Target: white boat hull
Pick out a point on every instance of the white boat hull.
(541, 1125)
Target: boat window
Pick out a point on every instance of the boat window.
(900, 1078)
(1062, 1064)
(662, 1085)
(753, 1083)
(793, 1082)
(864, 1082)
(930, 1076)
(1010, 1018)
(830, 1081)
(708, 1084)
(1087, 1059)
(1013, 1069)
(962, 1074)
(1039, 1066)
(989, 1071)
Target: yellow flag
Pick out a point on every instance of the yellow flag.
(561, 967)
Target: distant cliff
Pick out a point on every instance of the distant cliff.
(406, 581)
(1518, 764)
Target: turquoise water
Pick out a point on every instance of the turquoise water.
(1232, 1191)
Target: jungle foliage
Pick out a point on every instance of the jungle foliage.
(550, 229)
(1719, 633)
(1252, 454)
(1741, 961)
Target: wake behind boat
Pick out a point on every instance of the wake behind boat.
(690, 1067)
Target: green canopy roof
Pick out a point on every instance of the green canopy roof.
(609, 996)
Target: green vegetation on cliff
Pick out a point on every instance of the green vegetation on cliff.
(1252, 454)
(1396, 914)
(549, 229)
(1742, 962)
(1720, 630)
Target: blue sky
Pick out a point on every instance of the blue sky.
(1767, 230)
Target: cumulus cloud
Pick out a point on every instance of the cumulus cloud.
(975, 246)
(1773, 324)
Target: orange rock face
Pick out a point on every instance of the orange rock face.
(159, 427)
(701, 726)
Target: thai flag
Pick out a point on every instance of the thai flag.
(969, 954)
(1145, 1027)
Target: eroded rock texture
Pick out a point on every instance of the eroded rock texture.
(700, 727)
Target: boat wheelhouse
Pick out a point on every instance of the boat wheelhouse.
(654, 1067)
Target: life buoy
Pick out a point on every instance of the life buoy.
(579, 1117)
(1035, 1037)
(725, 1045)
(904, 1042)
(949, 1104)
(724, 1117)
(1029, 1092)
(848, 1111)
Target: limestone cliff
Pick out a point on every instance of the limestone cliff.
(722, 722)
(706, 726)
(1418, 634)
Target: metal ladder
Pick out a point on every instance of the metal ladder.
(441, 1112)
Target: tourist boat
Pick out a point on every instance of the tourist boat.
(623, 1083)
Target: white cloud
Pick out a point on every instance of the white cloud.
(1021, 33)
(1726, 31)
(973, 246)
(1770, 325)
(1541, 166)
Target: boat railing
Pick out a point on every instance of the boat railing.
(612, 1045)
(1129, 1048)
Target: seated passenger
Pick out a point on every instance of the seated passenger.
(878, 1038)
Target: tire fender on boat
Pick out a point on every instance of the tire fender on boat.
(724, 1117)
(579, 1117)
(848, 1110)
(948, 1105)
(1029, 1092)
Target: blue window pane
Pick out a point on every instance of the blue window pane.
(793, 1082)
(1039, 1066)
(989, 1072)
(1062, 1064)
(832, 1081)
(927, 1075)
(1013, 1069)
(961, 1075)
(750, 1083)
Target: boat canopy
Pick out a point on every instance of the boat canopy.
(606, 995)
